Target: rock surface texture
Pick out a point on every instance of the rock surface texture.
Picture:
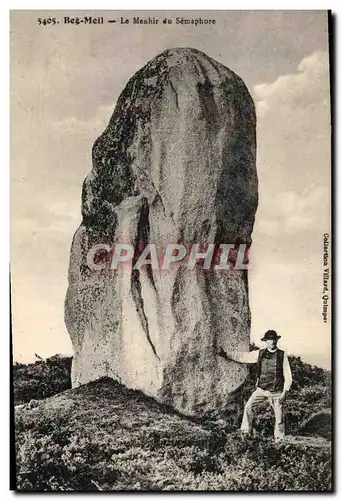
(176, 164)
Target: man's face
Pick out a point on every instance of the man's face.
(271, 343)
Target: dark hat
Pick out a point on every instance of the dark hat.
(271, 335)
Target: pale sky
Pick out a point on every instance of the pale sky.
(65, 80)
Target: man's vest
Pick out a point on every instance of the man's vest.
(270, 374)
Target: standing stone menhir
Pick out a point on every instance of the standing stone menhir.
(176, 164)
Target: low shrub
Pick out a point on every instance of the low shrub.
(103, 436)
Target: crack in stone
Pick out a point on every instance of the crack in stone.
(157, 196)
(137, 295)
(142, 237)
(176, 94)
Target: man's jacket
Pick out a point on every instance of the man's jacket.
(273, 368)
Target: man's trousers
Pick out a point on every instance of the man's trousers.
(257, 397)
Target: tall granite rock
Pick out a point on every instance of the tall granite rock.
(176, 164)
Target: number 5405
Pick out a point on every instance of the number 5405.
(45, 21)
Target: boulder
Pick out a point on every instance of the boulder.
(176, 164)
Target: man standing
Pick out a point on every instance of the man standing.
(273, 380)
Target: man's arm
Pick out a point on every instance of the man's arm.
(287, 372)
(240, 356)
